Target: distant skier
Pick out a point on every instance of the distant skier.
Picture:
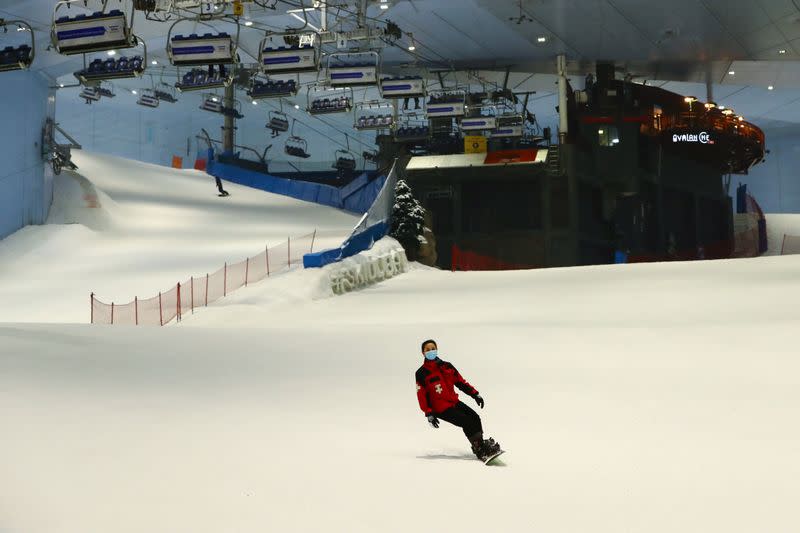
(438, 399)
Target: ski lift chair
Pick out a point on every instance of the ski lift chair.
(404, 87)
(195, 50)
(90, 94)
(345, 162)
(106, 89)
(509, 125)
(20, 56)
(373, 116)
(260, 89)
(95, 32)
(112, 69)
(353, 68)
(278, 123)
(148, 98)
(323, 100)
(235, 111)
(448, 103)
(165, 93)
(290, 53)
(296, 147)
(200, 80)
(211, 103)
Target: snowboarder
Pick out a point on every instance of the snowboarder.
(437, 399)
(222, 192)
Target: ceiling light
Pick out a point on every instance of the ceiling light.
(690, 99)
(600, 132)
(292, 11)
(781, 51)
(214, 99)
(541, 39)
(154, 62)
(248, 23)
(741, 118)
(133, 92)
(770, 88)
(112, 52)
(731, 73)
(296, 106)
(301, 19)
(255, 103)
(61, 85)
(413, 45)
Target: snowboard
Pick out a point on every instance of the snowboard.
(494, 456)
(224, 194)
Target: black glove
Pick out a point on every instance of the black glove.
(478, 400)
(433, 421)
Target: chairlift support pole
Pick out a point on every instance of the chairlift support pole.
(230, 122)
(563, 124)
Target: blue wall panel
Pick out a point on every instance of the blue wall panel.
(27, 187)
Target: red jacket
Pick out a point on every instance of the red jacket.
(435, 382)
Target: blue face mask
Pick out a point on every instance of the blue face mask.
(430, 355)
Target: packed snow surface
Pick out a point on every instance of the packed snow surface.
(121, 229)
(654, 397)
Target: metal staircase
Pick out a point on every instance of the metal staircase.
(553, 161)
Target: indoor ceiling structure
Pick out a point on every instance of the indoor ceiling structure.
(748, 50)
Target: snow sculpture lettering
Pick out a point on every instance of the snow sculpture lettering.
(347, 278)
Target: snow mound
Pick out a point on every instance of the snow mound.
(77, 201)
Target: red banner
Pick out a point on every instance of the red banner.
(511, 156)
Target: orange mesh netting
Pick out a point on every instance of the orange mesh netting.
(184, 297)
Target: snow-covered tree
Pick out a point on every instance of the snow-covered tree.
(408, 220)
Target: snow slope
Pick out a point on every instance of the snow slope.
(653, 397)
(123, 228)
(779, 225)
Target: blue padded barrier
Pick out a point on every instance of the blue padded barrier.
(356, 197)
(355, 244)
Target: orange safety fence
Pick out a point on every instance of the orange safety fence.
(745, 244)
(199, 292)
(468, 260)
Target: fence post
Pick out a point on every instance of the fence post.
(783, 244)
(313, 236)
(136, 309)
(206, 289)
(178, 310)
(225, 282)
(91, 311)
(112, 313)
(160, 311)
(267, 250)
(191, 286)
(289, 251)
(246, 271)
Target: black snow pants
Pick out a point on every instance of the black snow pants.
(462, 416)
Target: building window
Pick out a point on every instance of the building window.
(608, 136)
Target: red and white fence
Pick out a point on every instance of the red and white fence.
(199, 292)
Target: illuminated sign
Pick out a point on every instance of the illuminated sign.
(702, 138)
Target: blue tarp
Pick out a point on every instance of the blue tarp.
(355, 197)
(355, 244)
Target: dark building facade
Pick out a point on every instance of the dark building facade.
(642, 172)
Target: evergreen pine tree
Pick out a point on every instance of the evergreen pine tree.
(408, 220)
